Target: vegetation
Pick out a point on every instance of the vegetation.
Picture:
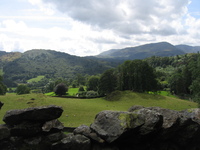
(22, 89)
(37, 79)
(79, 111)
(60, 89)
(3, 88)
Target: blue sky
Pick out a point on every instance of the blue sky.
(89, 27)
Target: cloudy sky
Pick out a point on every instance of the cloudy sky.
(88, 27)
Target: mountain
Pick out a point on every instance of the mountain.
(188, 49)
(52, 64)
(143, 51)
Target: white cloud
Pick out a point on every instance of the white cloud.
(88, 27)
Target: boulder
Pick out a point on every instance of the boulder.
(110, 125)
(26, 129)
(153, 120)
(4, 132)
(35, 114)
(86, 131)
(53, 124)
(73, 142)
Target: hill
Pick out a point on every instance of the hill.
(188, 49)
(52, 64)
(143, 51)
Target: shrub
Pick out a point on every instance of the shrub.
(60, 89)
(22, 89)
(92, 94)
(81, 89)
(114, 96)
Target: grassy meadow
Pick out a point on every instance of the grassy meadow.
(83, 111)
(38, 78)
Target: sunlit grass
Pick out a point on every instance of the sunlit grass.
(83, 111)
(37, 79)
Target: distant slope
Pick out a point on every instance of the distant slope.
(51, 64)
(143, 51)
(6, 57)
(189, 49)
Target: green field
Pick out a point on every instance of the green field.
(83, 111)
(70, 92)
(37, 79)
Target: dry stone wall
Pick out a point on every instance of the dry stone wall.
(139, 128)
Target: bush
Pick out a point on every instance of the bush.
(114, 96)
(92, 94)
(22, 89)
(3, 89)
(81, 94)
(81, 89)
(60, 89)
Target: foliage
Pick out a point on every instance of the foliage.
(92, 94)
(93, 83)
(22, 89)
(52, 64)
(136, 75)
(60, 89)
(3, 88)
(81, 89)
(107, 82)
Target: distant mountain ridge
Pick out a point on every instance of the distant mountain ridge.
(188, 49)
(143, 51)
(19, 67)
(52, 64)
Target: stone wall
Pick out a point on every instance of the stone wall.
(139, 128)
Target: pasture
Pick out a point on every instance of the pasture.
(83, 111)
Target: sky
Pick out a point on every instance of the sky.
(89, 27)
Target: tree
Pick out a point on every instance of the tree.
(3, 88)
(92, 84)
(137, 75)
(60, 89)
(22, 89)
(107, 82)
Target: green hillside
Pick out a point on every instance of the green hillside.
(143, 51)
(51, 64)
(83, 111)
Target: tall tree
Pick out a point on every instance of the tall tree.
(137, 75)
(107, 82)
(3, 88)
(92, 84)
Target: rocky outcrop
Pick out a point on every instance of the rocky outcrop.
(139, 128)
(31, 128)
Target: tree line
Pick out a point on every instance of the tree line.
(179, 75)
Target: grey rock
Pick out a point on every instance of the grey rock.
(110, 125)
(73, 142)
(26, 129)
(4, 132)
(170, 117)
(38, 114)
(53, 124)
(153, 120)
(86, 131)
(135, 107)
